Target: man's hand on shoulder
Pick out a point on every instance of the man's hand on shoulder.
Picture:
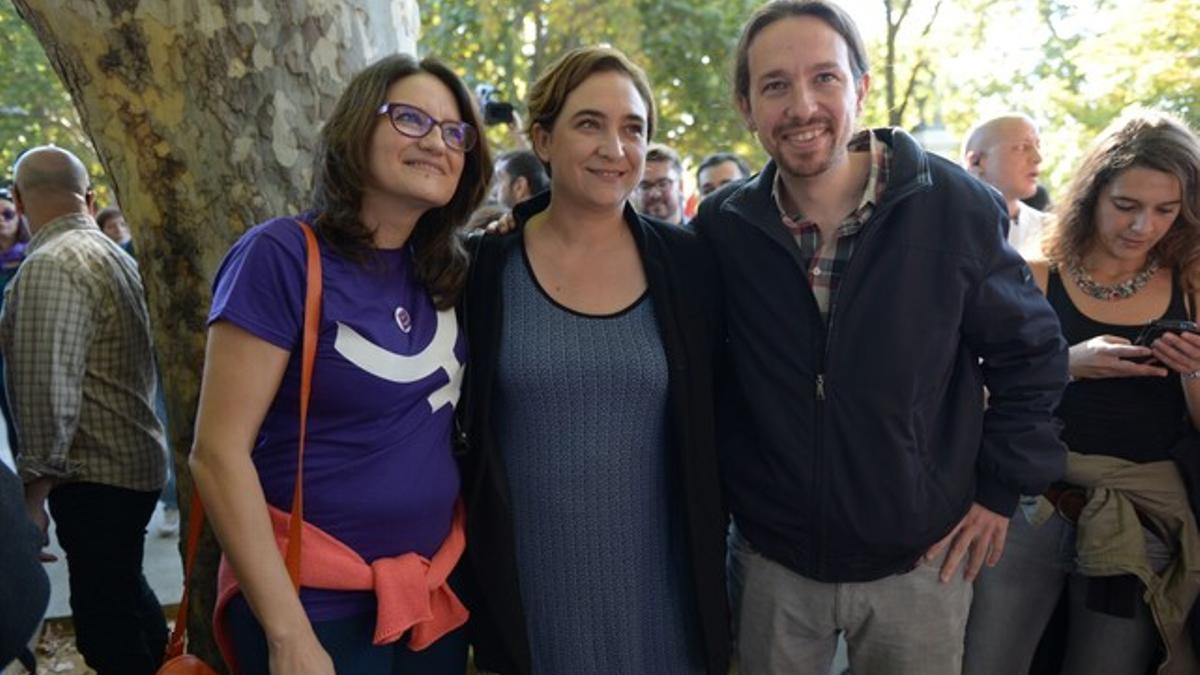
(981, 533)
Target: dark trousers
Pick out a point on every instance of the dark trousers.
(10, 425)
(348, 643)
(119, 625)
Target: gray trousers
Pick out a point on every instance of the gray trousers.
(1015, 599)
(786, 624)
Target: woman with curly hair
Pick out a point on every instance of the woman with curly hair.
(1117, 533)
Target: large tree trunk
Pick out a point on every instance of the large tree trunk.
(205, 116)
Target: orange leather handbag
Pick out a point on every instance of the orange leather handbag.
(176, 661)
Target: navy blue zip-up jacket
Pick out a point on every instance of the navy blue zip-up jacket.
(848, 450)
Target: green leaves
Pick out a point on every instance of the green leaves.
(35, 108)
(685, 46)
(1072, 65)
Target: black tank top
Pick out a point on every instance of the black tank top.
(1134, 418)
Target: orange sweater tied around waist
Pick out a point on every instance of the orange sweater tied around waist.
(412, 591)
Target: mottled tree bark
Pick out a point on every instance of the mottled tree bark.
(205, 115)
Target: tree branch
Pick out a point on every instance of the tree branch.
(923, 64)
(932, 18)
(889, 59)
(1047, 12)
(904, 12)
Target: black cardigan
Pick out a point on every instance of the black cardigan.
(683, 286)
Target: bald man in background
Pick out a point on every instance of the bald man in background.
(76, 339)
(1005, 152)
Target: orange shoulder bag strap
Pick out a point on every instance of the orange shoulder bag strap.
(175, 660)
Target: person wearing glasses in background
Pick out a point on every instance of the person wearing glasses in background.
(400, 166)
(14, 236)
(659, 193)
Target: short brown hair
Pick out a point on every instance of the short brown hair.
(658, 152)
(342, 169)
(833, 15)
(550, 91)
(105, 214)
(1149, 139)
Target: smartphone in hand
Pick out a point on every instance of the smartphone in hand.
(1156, 329)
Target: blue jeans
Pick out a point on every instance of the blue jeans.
(348, 642)
(1015, 599)
(169, 497)
(9, 422)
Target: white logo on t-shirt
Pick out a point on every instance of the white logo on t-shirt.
(403, 320)
(438, 355)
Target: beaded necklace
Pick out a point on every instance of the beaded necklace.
(1118, 291)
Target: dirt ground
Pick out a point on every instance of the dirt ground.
(56, 653)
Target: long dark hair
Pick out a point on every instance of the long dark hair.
(342, 171)
(1138, 138)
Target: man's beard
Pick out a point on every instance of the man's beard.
(831, 152)
(813, 167)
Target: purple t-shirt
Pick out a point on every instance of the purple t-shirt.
(379, 474)
(10, 260)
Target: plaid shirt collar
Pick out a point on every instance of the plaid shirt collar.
(876, 185)
(826, 261)
(71, 221)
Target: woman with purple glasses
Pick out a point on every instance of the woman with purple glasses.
(14, 235)
(401, 165)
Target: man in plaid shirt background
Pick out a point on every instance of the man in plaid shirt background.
(76, 340)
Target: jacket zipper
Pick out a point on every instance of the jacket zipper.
(822, 369)
(870, 232)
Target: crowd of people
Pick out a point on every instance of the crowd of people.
(862, 393)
